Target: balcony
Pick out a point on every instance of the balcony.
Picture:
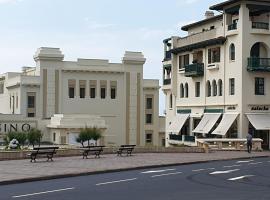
(232, 27)
(260, 25)
(258, 64)
(167, 82)
(168, 56)
(194, 70)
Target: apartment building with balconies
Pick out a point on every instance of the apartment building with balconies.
(216, 79)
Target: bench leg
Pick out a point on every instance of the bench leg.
(85, 155)
(33, 158)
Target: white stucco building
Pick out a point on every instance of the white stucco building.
(217, 78)
(60, 97)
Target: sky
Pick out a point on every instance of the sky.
(102, 29)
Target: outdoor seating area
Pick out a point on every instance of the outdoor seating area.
(43, 151)
(125, 148)
(95, 150)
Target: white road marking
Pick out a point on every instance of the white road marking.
(119, 181)
(229, 166)
(157, 171)
(198, 170)
(166, 174)
(45, 192)
(244, 161)
(239, 177)
(224, 172)
(255, 163)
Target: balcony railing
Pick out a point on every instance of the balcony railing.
(166, 81)
(260, 25)
(258, 64)
(232, 27)
(175, 137)
(194, 70)
(168, 56)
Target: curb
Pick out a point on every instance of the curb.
(51, 177)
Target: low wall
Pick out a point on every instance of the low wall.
(23, 154)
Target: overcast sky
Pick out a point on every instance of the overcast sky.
(94, 29)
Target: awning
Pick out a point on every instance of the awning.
(259, 121)
(225, 124)
(178, 122)
(207, 123)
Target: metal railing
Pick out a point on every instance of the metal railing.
(258, 64)
(232, 26)
(175, 137)
(260, 25)
(196, 69)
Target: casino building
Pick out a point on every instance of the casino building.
(60, 97)
(217, 78)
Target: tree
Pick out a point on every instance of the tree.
(82, 137)
(87, 134)
(21, 137)
(34, 136)
(96, 134)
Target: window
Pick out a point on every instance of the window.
(113, 89)
(232, 86)
(103, 87)
(71, 88)
(214, 85)
(149, 103)
(181, 90)
(197, 89)
(30, 101)
(148, 138)
(214, 55)
(54, 137)
(71, 92)
(82, 89)
(82, 93)
(10, 101)
(219, 87)
(102, 93)
(208, 86)
(183, 61)
(30, 114)
(148, 118)
(259, 86)
(92, 92)
(171, 101)
(186, 90)
(232, 52)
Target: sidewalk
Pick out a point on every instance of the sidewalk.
(16, 171)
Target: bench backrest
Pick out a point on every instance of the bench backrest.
(128, 145)
(41, 149)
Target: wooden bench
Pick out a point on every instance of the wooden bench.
(45, 151)
(125, 148)
(95, 150)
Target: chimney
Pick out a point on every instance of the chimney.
(209, 14)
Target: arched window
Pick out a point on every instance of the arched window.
(186, 90)
(219, 87)
(214, 85)
(181, 90)
(232, 52)
(208, 86)
(171, 101)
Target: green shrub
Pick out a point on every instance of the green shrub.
(34, 136)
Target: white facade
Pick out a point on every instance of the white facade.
(221, 67)
(64, 96)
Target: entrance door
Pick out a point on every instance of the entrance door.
(264, 135)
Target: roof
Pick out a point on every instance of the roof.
(204, 21)
(220, 6)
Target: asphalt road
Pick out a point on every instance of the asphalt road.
(222, 180)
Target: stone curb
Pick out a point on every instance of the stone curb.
(51, 177)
